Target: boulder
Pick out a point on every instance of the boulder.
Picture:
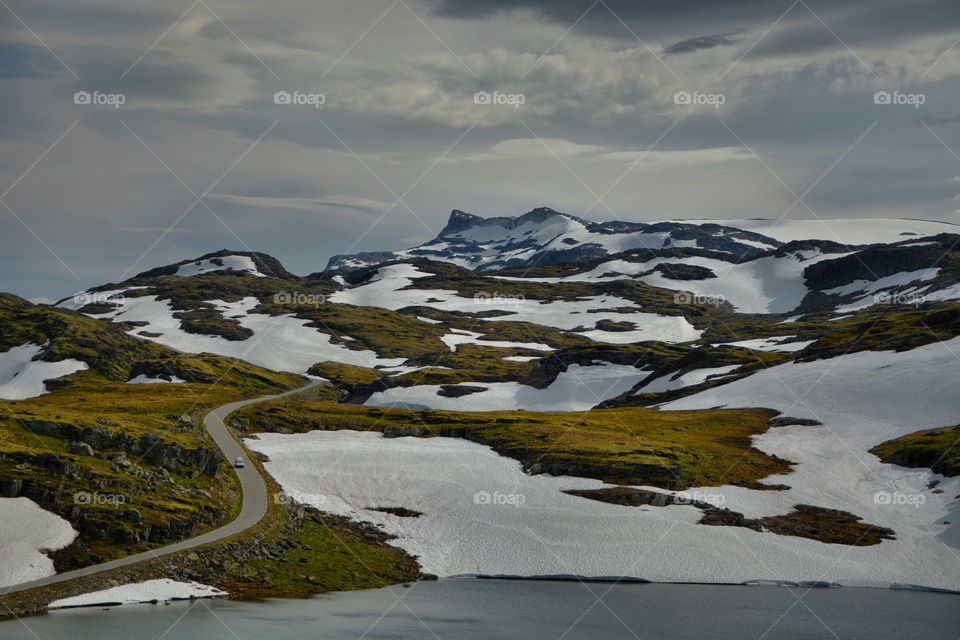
(80, 449)
(97, 437)
(44, 427)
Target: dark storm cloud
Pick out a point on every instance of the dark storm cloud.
(570, 10)
(932, 121)
(201, 99)
(702, 42)
(855, 22)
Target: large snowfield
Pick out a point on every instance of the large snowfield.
(531, 528)
(765, 285)
(853, 231)
(26, 530)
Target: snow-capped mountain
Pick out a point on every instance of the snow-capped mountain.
(544, 236)
(610, 283)
(257, 264)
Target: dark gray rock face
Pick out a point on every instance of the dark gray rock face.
(44, 427)
(80, 449)
(877, 262)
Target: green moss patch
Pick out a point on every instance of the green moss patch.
(670, 449)
(934, 449)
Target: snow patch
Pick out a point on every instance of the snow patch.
(281, 343)
(462, 336)
(389, 289)
(25, 531)
(688, 379)
(228, 263)
(22, 377)
(777, 343)
(159, 590)
(143, 379)
(577, 389)
(843, 230)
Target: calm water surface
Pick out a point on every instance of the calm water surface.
(464, 609)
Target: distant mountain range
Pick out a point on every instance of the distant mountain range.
(544, 236)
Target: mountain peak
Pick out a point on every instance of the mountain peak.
(460, 221)
(252, 262)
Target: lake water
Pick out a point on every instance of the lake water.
(464, 609)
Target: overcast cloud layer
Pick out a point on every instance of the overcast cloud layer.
(200, 157)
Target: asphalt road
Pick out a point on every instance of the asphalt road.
(254, 500)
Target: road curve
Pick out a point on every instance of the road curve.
(253, 510)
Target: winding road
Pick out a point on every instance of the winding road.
(253, 510)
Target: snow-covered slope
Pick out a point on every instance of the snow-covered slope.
(854, 231)
(862, 399)
(482, 514)
(282, 343)
(22, 377)
(25, 530)
(243, 264)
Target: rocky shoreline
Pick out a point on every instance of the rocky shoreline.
(226, 565)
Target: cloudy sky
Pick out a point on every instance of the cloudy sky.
(588, 114)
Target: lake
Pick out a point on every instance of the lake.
(467, 608)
